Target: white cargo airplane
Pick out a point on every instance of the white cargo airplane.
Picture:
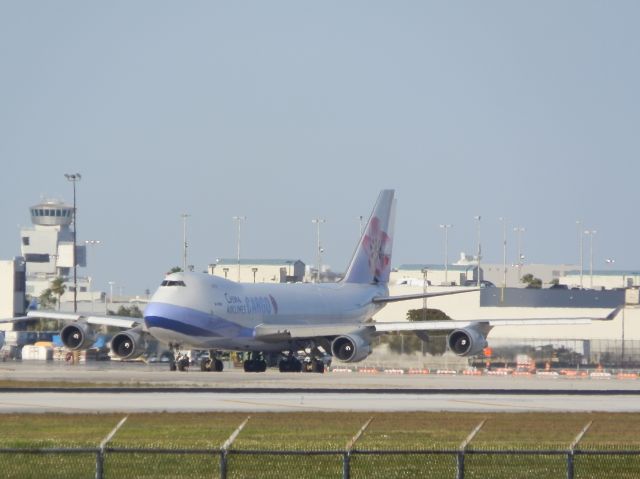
(200, 311)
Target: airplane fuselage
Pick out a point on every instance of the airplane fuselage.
(203, 311)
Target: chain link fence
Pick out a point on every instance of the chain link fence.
(114, 463)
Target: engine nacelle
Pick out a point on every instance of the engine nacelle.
(128, 344)
(350, 349)
(466, 342)
(77, 336)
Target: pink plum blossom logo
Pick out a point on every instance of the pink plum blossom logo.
(374, 244)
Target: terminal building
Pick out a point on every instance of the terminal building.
(259, 270)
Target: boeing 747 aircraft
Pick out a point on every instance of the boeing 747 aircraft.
(201, 311)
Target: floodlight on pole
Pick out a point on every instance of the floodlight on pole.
(318, 222)
(479, 249)
(184, 217)
(518, 230)
(504, 257)
(446, 252)
(239, 220)
(91, 243)
(581, 248)
(590, 234)
(74, 178)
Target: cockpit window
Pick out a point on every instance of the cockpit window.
(172, 283)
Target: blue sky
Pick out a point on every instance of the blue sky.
(285, 111)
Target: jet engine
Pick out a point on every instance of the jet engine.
(128, 344)
(350, 349)
(77, 336)
(466, 342)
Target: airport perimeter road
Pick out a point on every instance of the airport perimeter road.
(84, 402)
(157, 375)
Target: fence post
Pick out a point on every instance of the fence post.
(223, 464)
(460, 465)
(346, 466)
(570, 464)
(346, 462)
(100, 463)
(225, 447)
(103, 444)
(572, 447)
(463, 447)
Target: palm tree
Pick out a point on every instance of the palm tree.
(58, 288)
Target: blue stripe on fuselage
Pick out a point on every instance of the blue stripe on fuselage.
(192, 322)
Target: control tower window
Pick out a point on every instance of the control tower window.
(25, 240)
(58, 213)
(40, 212)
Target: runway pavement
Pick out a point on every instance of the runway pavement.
(273, 391)
(158, 375)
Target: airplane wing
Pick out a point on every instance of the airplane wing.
(116, 321)
(275, 332)
(450, 325)
(407, 297)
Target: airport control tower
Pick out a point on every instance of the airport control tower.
(48, 248)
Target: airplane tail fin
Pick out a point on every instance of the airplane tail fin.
(371, 262)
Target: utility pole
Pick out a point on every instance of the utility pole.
(239, 220)
(74, 178)
(479, 249)
(590, 233)
(581, 248)
(184, 217)
(318, 222)
(446, 252)
(504, 257)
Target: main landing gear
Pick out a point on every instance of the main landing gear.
(211, 363)
(255, 363)
(312, 362)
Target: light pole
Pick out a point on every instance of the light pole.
(504, 257)
(518, 231)
(74, 178)
(479, 249)
(254, 270)
(424, 290)
(91, 243)
(239, 220)
(581, 248)
(184, 217)
(318, 222)
(111, 284)
(446, 252)
(590, 234)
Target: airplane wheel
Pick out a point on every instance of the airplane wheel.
(172, 366)
(205, 365)
(218, 366)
